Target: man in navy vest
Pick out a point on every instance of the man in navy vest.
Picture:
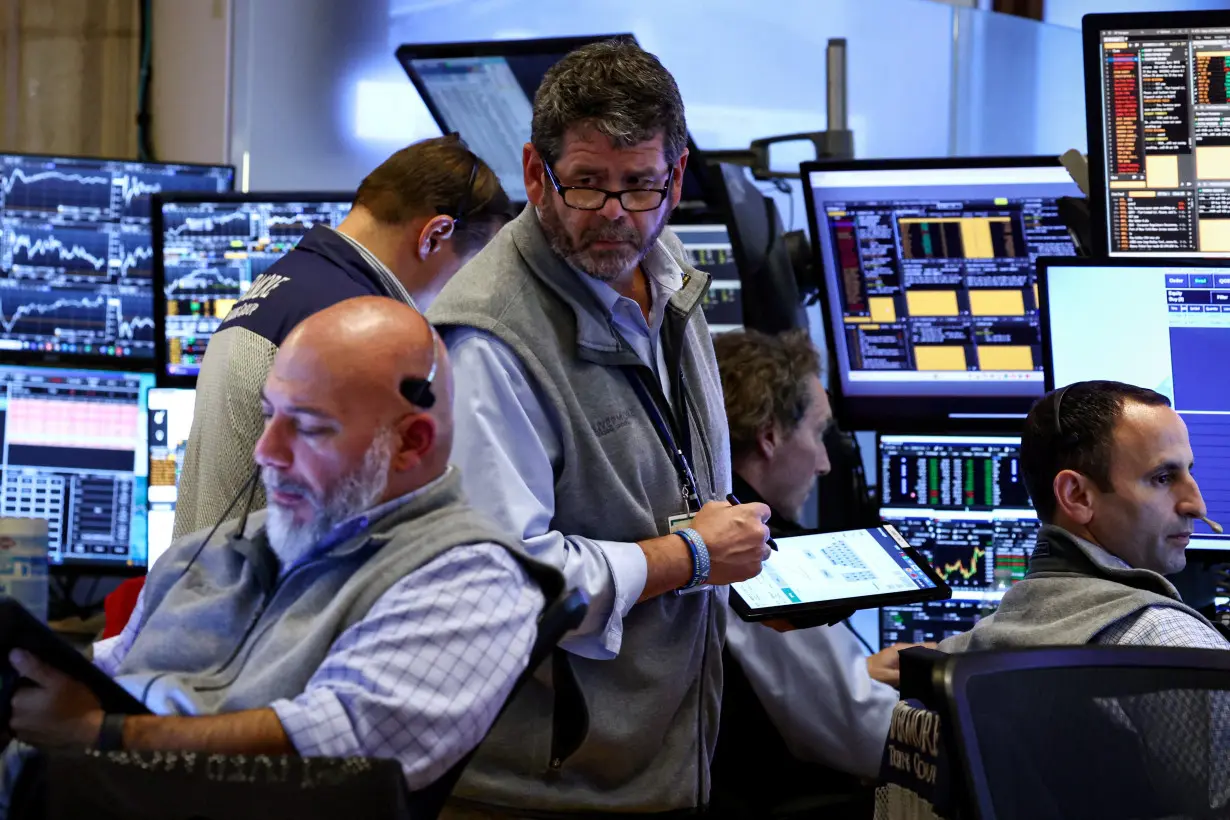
(367, 612)
(416, 219)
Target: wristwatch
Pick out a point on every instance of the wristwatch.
(111, 733)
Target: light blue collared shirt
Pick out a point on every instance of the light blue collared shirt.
(507, 443)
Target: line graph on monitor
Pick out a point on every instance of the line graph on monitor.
(193, 281)
(42, 316)
(44, 251)
(53, 191)
(227, 225)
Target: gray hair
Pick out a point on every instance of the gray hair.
(617, 88)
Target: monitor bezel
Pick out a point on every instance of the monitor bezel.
(91, 361)
(1092, 26)
(930, 421)
(91, 566)
(157, 228)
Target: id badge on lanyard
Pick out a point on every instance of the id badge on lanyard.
(688, 488)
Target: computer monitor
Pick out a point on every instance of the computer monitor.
(170, 422)
(961, 500)
(485, 90)
(74, 453)
(75, 254)
(1159, 132)
(209, 250)
(1163, 324)
(708, 246)
(928, 286)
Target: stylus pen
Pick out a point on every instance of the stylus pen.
(731, 498)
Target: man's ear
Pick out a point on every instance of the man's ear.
(1075, 494)
(415, 437)
(767, 441)
(432, 235)
(676, 193)
(533, 171)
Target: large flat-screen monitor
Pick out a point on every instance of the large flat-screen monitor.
(928, 286)
(170, 422)
(73, 451)
(208, 251)
(485, 90)
(1163, 324)
(1156, 92)
(961, 500)
(75, 255)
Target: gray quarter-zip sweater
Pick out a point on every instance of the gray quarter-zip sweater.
(653, 709)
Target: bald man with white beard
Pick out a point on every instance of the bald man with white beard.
(367, 612)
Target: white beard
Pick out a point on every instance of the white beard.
(356, 493)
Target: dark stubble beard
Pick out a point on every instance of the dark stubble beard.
(606, 265)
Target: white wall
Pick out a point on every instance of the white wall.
(297, 70)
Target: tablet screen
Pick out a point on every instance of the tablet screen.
(821, 567)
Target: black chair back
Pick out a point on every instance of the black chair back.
(1091, 731)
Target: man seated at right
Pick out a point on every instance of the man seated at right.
(1109, 469)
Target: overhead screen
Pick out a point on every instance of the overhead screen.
(1168, 329)
(1159, 132)
(74, 453)
(76, 253)
(484, 91)
(961, 500)
(209, 253)
(929, 285)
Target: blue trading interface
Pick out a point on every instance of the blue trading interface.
(213, 252)
(73, 451)
(1157, 326)
(929, 276)
(75, 251)
(961, 501)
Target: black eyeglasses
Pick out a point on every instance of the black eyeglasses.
(594, 199)
(464, 205)
(418, 391)
(1062, 439)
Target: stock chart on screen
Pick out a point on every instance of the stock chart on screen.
(961, 500)
(213, 251)
(76, 253)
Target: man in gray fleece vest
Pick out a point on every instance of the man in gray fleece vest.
(367, 612)
(590, 425)
(1109, 469)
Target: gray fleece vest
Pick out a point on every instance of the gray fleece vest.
(1070, 594)
(228, 634)
(654, 709)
